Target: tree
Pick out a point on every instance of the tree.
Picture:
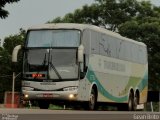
(6, 63)
(3, 12)
(145, 27)
(88, 14)
(14, 40)
(132, 19)
(107, 13)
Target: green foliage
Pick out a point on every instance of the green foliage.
(12, 41)
(88, 15)
(56, 20)
(4, 13)
(6, 69)
(145, 27)
(131, 18)
(107, 13)
(55, 107)
(156, 106)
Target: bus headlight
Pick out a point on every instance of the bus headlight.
(71, 96)
(26, 96)
(70, 88)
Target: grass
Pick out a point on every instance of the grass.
(55, 107)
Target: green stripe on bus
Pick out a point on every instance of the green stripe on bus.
(143, 83)
(102, 90)
(132, 82)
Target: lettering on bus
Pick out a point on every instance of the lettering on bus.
(48, 83)
(114, 66)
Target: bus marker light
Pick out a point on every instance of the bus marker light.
(37, 75)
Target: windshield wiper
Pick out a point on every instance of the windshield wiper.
(44, 60)
(55, 70)
(43, 66)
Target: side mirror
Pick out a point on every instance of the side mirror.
(15, 53)
(80, 53)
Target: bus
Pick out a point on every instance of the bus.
(85, 64)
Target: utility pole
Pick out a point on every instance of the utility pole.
(13, 87)
(14, 60)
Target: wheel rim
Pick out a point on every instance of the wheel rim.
(135, 102)
(130, 103)
(92, 101)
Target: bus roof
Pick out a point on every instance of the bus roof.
(83, 27)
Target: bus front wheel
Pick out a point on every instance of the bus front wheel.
(92, 100)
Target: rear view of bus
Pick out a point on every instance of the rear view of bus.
(50, 66)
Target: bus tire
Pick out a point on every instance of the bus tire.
(43, 104)
(92, 100)
(136, 102)
(130, 102)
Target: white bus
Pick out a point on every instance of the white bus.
(85, 64)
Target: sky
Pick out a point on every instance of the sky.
(26, 13)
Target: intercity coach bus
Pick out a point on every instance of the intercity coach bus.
(83, 63)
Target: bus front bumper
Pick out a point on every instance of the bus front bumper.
(52, 95)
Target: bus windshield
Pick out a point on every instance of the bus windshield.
(57, 64)
(53, 38)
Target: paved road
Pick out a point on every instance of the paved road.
(37, 114)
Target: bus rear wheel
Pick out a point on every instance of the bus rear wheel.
(130, 102)
(133, 102)
(136, 102)
(131, 105)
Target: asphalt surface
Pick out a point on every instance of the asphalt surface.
(40, 114)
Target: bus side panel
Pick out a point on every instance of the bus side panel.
(110, 82)
(84, 84)
(115, 78)
(116, 66)
(143, 87)
(83, 90)
(143, 95)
